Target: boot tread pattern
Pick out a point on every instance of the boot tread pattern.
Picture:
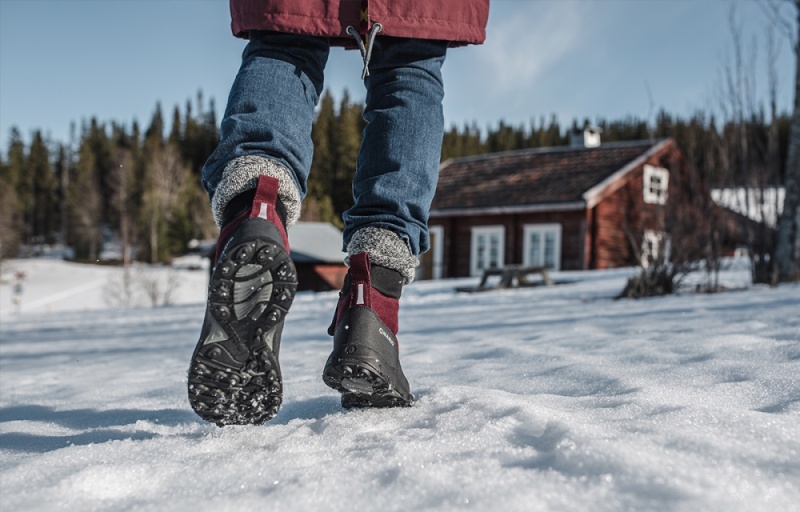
(234, 376)
(362, 385)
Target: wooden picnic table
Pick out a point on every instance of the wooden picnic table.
(511, 276)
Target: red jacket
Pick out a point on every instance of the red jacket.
(458, 21)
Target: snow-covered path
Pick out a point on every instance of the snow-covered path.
(538, 399)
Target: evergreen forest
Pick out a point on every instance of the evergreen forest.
(142, 186)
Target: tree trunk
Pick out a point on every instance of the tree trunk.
(787, 249)
(154, 239)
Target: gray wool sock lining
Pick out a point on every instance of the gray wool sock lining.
(385, 248)
(241, 174)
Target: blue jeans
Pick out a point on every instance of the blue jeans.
(270, 112)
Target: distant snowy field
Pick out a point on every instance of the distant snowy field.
(538, 399)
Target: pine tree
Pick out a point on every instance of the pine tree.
(345, 140)
(210, 133)
(44, 212)
(10, 232)
(318, 205)
(121, 178)
(175, 135)
(18, 181)
(86, 203)
(166, 174)
(156, 129)
(191, 142)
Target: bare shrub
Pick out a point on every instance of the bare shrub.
(142, 285)
(119, 291)
(663, 278)
(159, 289)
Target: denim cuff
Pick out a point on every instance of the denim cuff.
(386, 249)
(241, 174)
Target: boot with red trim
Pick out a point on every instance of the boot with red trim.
(234, 375)
(365, 363)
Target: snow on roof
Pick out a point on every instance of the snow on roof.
(756, 204)
(318, 242)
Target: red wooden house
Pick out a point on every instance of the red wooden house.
(566, 208)
(317, 256)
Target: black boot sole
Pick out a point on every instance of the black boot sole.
(364, 365)
(234, 376)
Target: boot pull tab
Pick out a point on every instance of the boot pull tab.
(266, 196)
(360, 280)
(359, 267)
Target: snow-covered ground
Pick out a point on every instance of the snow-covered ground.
(537, 399)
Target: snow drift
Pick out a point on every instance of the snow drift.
(536, 399)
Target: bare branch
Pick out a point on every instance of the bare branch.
(774, 11)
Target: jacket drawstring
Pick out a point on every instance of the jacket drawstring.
(366, 50)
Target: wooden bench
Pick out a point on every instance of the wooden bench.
(511, 276)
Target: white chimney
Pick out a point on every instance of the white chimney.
(589, 137)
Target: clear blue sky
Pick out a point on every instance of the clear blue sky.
(68, 60)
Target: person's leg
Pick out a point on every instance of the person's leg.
(266, 129)
(386, 229)
(398, 164)
(256, 179)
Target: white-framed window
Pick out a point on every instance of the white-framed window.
(656, 184)
(651, 247)
(541, 245)
(487, 249)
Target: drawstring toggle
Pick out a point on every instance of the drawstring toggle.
(365, 49)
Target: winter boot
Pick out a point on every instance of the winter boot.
(365, 363)
(234, 376)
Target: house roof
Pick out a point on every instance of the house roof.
(759, 205)
(565, 177)
(315, 242)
